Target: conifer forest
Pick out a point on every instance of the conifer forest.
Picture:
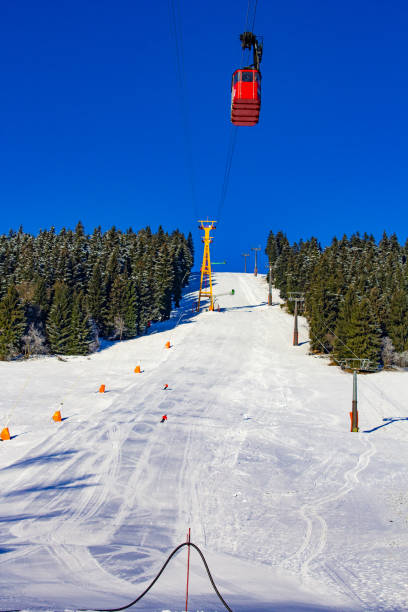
(61, 292)
(355, 294)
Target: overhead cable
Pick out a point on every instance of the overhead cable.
(176, 30)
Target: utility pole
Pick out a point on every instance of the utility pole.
(207, 226)
(256, 249)
(245, 255)
(296, 297)
(270, 286)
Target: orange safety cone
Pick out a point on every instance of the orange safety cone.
(57, 416)
(5, 434)
(137, 369)
(102, 389)
(167, 345)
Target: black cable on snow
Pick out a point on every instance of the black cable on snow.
(158, 576)
(132, 603)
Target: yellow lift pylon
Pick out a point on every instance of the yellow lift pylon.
(207, 226)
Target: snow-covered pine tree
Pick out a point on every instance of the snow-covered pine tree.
(397, 324)
(364, 333)
(131, 312)
(58, 327)
(12, 324)
(163, 283)
(80, 332)
(96, 299)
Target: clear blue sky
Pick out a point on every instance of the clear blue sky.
(91, 126)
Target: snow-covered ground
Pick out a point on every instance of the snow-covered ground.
(292, 511)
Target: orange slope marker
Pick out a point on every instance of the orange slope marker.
(5, 434)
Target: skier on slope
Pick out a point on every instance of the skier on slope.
(165, 387)
(164, 418)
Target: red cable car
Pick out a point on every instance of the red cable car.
(246, 85)
(245, 96)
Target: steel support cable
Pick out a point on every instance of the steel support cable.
(228, 164)
(253, 21)
(234, 131)
(339, 339)
(177, 33)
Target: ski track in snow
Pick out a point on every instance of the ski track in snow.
(256, 458)
(316, 527)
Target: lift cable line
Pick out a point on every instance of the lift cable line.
(228, 164)
(233, 131)
(176, 31)
(253, 20)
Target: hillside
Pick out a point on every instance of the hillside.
(292, 511)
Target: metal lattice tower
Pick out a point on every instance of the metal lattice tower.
(207, 226)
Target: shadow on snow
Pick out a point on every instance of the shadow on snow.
(388, 420)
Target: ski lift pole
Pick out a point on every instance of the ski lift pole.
(256, 249)
(270, 286)
(296, 297)
(295, 326)
(354, 411)
(245, 255)
(188, 565)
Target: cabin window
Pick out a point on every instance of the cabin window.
(247, 77)
(237, 77)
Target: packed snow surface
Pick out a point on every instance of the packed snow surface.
(292, 511)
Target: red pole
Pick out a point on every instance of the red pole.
(188, 566)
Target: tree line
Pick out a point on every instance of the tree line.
(356, 294)
(62, 292)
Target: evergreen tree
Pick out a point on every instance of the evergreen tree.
(342, 330)
(190, 246)
(397, 324)
(96, 299)
(40, 300)
(131, 310)
(163, 282)
(12, 324)
(123, 311)
(80, 334)
(363, 333)
(59, 320)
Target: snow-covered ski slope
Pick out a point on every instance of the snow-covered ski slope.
(292, 511)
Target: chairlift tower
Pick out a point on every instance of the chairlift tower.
(207, 226)
(356, 365)
(256, 249)
(245, 255)
(270, 286)
(296, 297)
